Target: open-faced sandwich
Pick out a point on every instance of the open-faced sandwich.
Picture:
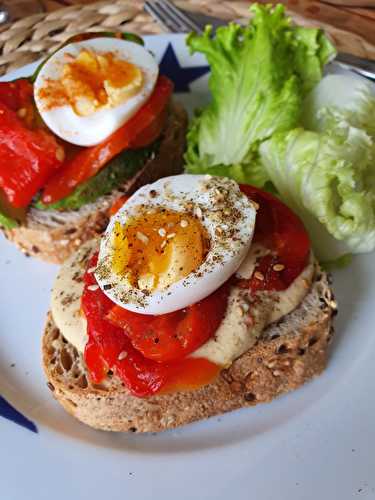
(202, 296)
(95, 122)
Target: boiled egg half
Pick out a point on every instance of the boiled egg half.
(174, 242)
(89, 89)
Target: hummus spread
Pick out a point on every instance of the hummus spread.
(245, 318)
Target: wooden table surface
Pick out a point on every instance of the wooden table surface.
(356, 16)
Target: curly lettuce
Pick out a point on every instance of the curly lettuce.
(326, 171)
(324, 179)
(260, 74)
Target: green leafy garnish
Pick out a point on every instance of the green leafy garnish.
(260, 74)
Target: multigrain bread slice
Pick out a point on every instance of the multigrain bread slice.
(288, 354)
(53, 236)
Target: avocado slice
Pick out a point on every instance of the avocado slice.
(117, 171)
(10, 216)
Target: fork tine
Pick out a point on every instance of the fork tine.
(181, 16)
(165, 21)
(170, 17)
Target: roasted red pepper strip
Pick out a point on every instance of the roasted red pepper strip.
(280, 230)
(88, 161)
(16, 94)
(107, 344)
(117, 205)
(109, 348)
(28, 157)
(173, 336)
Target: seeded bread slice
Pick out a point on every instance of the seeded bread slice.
(52, 235)
(288, 354)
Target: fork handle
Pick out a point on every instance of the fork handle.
(364, 67)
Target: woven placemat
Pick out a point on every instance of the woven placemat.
(33, 37)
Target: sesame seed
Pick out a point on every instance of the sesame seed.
(255, 205)
(219, 231)
(92, 288)
(122, 355)
(198, 212)
(90, 270)
(163, 244)
(240, 311)
(22, 112)
(184, 223)
(258, 275)
(162, 232)
(142, 237)
(333, 304)
(171, 235)
(278, 267)
(245, 307)
(60, 154)
(146, 281)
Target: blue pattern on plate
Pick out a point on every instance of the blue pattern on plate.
(9, 412)
(181, 77)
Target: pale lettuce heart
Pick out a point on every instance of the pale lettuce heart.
(326, 180)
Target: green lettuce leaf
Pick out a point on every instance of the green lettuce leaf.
(324, 178)
(250, 171)
(260, 75)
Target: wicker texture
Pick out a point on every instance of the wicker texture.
(33, 37)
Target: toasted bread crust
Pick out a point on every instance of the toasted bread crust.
(61, 234)
(287, 355)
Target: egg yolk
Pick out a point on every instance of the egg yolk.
(155, 250)
(91, 81)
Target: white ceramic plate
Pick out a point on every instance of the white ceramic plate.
(316, 443)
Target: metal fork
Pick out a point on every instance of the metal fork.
(170, 17)
(175, 20)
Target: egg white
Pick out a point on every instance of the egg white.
(93, 129)
(223, 259)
